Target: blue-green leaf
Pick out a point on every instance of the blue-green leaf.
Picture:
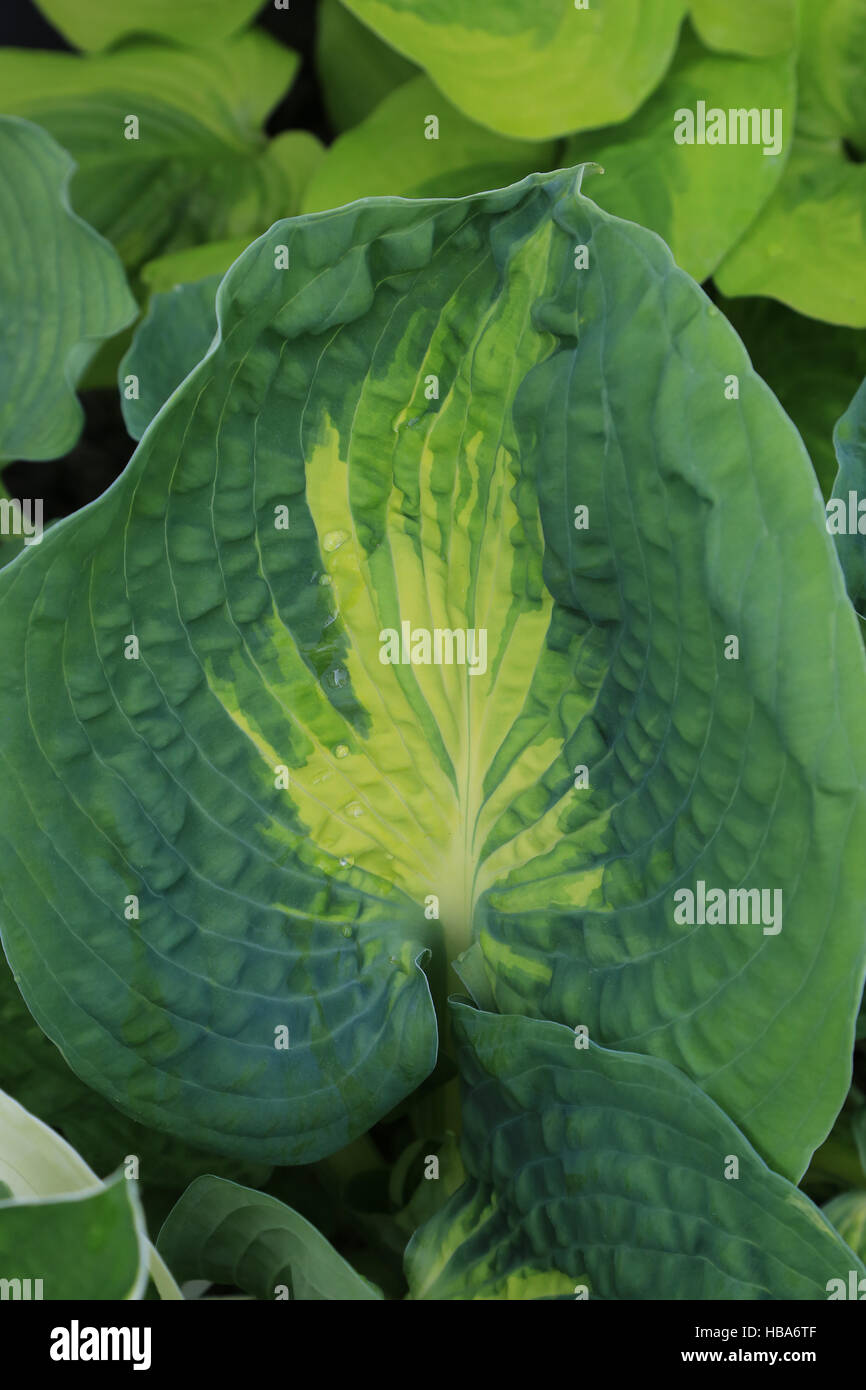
(233, 1235)
(236, 818)
(608, 1175)
(62, 290)
(845, 510)
(173, 336)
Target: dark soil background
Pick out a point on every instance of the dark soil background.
(104, 448)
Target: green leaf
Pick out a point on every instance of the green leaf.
(34, 1073)
(85, 1246)
(699, 198)
(233, 1235)
(356, 69)
(197, 263)
(62, 290)
(37, 1166)
(814, 368)
(740, 26)
(389, 153)
(844, 519)
(534, 68)
(832, 98)
(95, 24)
(607, 1170)
(806, 246)
(847, 1212)
(171, 339)
(291, 811)
(200, 168)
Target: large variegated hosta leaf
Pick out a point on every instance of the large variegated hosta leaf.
(168, 142)
(609, 1175)
(534, 68)
(62, 290)
(407, 406)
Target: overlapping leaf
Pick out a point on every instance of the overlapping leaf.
(234, 1235)
(389, 152)
(848, 1214)
(820, 202)
(814, 368)
(58, 1222)
(356, 69)
(608, 1175)
(86, 1246)
(534, 68)
(845, 519)
(178, 268)
(197, 167)
(97, 24)
(833, 70)
(700, 198)
(174, 335)
(408, 406)
(739, 26)
(62, 290)
(33, 1073)
(806, 248)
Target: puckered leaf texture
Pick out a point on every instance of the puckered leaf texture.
(607, 1175)
(234, 819)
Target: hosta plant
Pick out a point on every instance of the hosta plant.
(434, 770)
(463, 616)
